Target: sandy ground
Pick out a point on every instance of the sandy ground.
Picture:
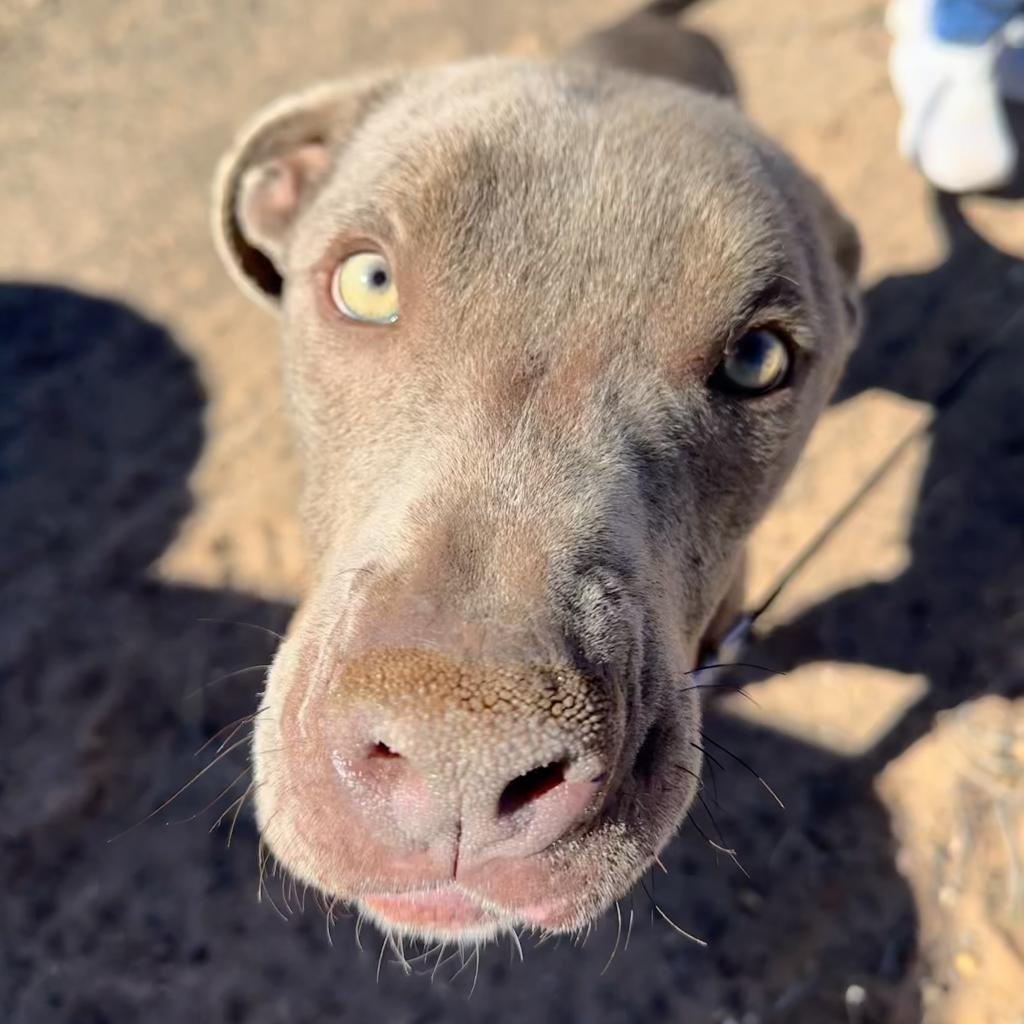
(147, 510)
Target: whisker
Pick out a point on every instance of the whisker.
(328, 921)
(715, 846)
(231, 785)
(711, 757)
(234, 732)
(519, 946)
(243, 625)
(262, 888)
(223, 678)
(278, 874)
(722, 848)
(618, 936)
(235, 725)
(714, 782)
(668, 920)
(440, 960)
(398, 945)
(238, 810)
(423, 955)
(740, 761)
(476, 969)
(731, 687)
(174, 796)
(650, 895)
(734, 664)
(465, 964)
(686, 935)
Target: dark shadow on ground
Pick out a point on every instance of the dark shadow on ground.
(1015, 116)
(953, 337)
(100, 425)
(955, 614)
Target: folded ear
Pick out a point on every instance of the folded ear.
(652, 42)
(277, 165)
(844, 242)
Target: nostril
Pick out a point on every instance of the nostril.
(524, 789)
(382, 750)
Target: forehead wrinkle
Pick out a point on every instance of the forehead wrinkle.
(371, 221)
(774, 295)
(495, 208)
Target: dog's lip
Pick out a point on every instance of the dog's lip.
(447, 908)
(453, 909)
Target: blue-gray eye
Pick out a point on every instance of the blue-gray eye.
(756, 363)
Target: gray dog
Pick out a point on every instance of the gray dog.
(555, 332)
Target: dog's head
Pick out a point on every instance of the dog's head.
(553, 336)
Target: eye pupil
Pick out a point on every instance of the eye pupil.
(379, 278)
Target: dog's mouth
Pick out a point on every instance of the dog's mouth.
(446, 910)
(452, 913)
(447, 914)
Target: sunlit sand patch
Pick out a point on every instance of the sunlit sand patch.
(843, 708)
(850, 441)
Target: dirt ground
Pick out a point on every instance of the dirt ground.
(147, 514)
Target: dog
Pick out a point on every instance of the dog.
(554, 334)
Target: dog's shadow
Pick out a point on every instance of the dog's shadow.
(100, 426)
(951, 337)
(104, 698)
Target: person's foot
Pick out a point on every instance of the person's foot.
(953, 126)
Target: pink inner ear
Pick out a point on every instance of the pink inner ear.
(273, 192)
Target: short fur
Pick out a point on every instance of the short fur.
(523, 497)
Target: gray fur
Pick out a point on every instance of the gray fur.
(528, 472)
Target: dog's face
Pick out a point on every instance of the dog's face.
(553, 337)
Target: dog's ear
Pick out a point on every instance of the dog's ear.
(652, 42)
(843, 241)
(277, 165)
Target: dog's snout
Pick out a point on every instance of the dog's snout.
(456, 764)
(607, 626)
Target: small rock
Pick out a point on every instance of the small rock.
(966, 963)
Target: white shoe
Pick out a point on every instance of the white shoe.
(953, 126)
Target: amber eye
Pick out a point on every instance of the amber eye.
(363, 288)
(756, 363)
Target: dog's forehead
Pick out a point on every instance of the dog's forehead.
(599, 219)
(519, 170)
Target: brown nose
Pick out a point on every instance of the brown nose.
(465, 763)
